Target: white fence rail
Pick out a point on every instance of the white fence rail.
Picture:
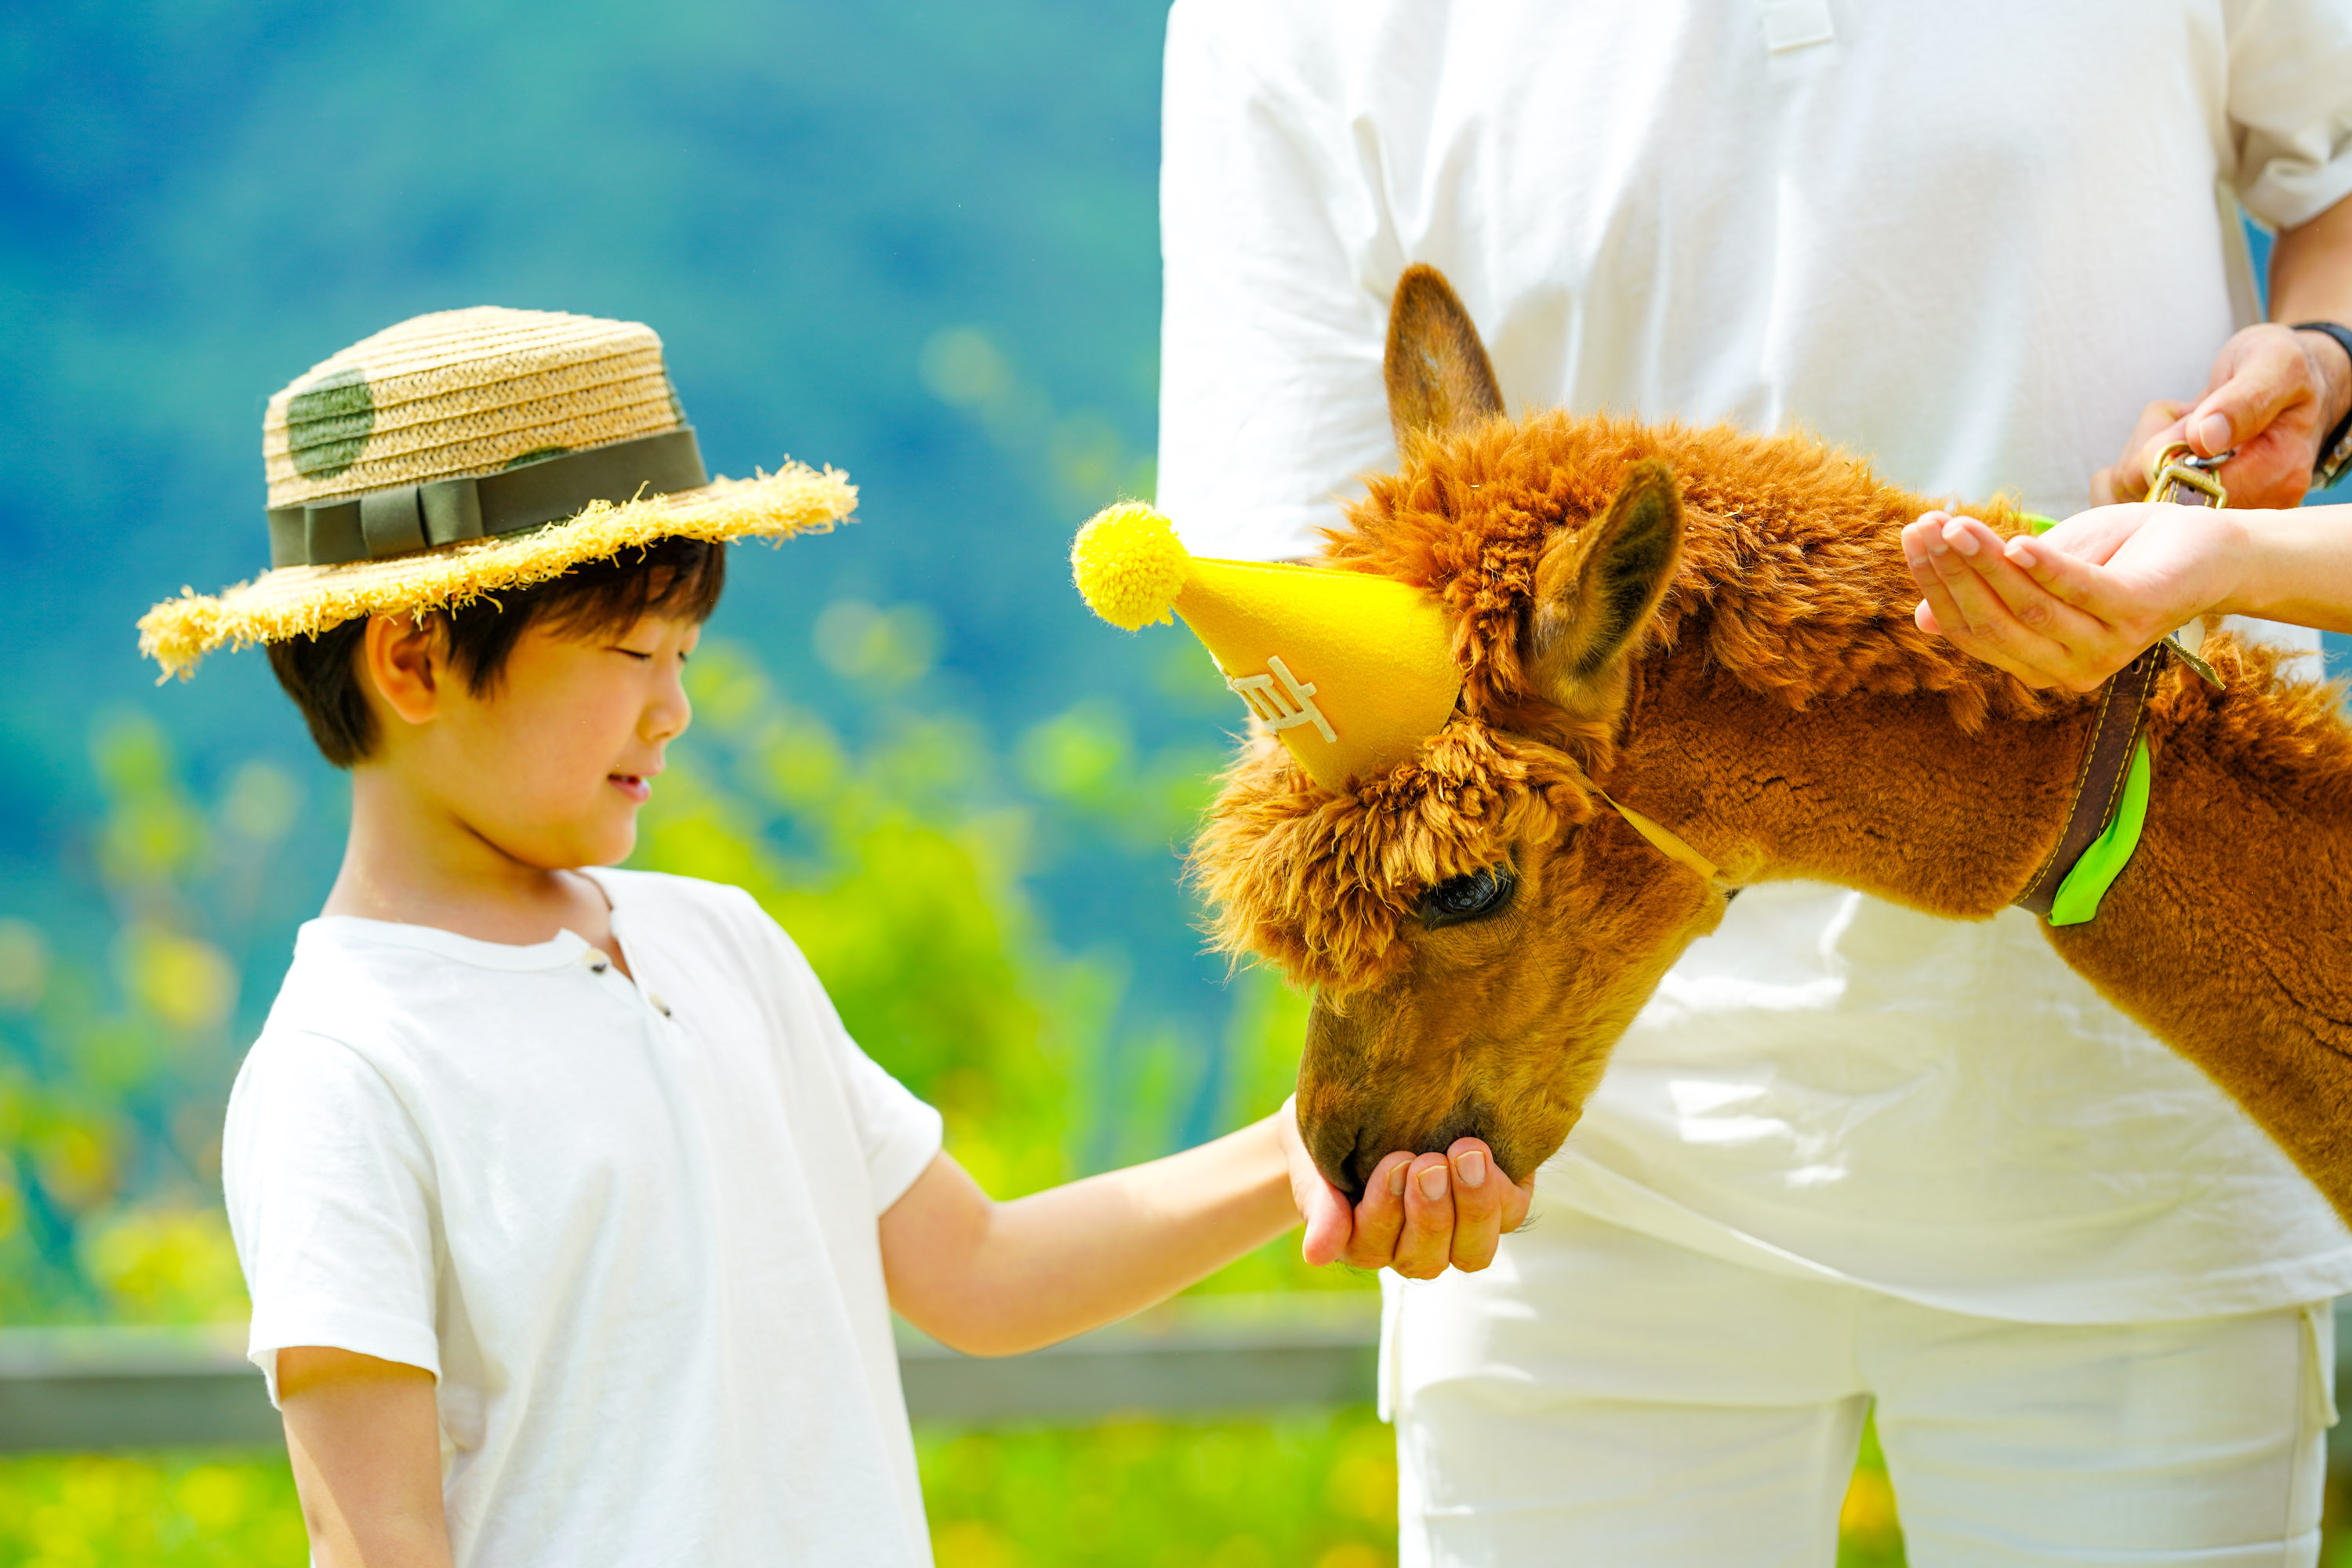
(84, 1390)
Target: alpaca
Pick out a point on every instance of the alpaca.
(1717, 628)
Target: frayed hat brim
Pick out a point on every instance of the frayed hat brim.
(303, 601)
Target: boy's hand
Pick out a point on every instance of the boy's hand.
(1418, 1214)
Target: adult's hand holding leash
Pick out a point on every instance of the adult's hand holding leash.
(2278, 393)
(2275, 395)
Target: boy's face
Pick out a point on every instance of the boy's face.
(551, 764)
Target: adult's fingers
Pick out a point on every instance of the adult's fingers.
(1427, 1240)
(2267, 372)
(1478, 1188)
(2158, 422)
(2266, 405)
(1379, 1214)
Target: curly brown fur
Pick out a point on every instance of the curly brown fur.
(1785, 583)
(1785, 579)
(1318, 882)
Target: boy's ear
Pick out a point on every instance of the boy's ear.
(404, 659)
(1596, 588)
(1439, 378)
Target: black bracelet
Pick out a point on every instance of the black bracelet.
(2334, 459)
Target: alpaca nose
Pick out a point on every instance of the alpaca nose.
(1348, 1151)
(1336, 1144)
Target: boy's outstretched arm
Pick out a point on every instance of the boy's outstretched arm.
(994, 1278)
(365, 1440)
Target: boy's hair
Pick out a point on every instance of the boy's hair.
(674, 577)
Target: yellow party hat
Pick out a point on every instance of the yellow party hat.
(1353, 672)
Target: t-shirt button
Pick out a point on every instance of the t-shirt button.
(659, 1004)
(596, 961)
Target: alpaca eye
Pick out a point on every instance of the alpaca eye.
(1466, 896)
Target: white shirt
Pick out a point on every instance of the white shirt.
(1968, 241)
(630, 1227)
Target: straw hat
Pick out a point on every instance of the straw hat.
(1353, 672)
(469, 451)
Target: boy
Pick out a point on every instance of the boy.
(571, 1217)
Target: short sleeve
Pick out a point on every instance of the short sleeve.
(2290, 107)
(1278, 260)
(330, 1196)
(898, 1134)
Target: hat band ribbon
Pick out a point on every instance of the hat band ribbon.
(443, 511)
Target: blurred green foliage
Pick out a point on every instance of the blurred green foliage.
(1295, 1491)
(117, 1049)
(148, 1510)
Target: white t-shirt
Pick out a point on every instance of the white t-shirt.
(1968, 241)
(630, 1227)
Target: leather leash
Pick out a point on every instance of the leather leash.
(2178, 476)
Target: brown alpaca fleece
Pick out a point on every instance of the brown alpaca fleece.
(1779, 584)
(1783, 713)
(1319, 883)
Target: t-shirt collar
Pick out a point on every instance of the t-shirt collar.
(349, 930)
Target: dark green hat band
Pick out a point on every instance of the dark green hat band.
(534, 492)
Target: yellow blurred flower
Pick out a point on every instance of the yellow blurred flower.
(973, 1543)
(184, 981)
(75, 1160)
(169, 1265)
(24, 966)
(216, 1498)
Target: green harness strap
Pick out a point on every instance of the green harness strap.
(2078, 896)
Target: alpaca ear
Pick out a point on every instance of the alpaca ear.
(1438, 376)
(1596, 587)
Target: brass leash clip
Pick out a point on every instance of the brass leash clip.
(2177, 475)
(2188, 471)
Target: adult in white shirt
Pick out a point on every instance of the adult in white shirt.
(1850, 1155)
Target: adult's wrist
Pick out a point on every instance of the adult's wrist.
(2328, 346)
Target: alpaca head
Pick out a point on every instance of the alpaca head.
(1478, 927)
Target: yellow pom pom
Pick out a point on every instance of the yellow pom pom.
(1130, 565)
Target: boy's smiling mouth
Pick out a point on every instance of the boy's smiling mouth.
(638, 787)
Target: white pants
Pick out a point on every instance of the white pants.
(1599, 1397)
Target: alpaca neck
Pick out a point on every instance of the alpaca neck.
(2227, 936)
(1883, 793)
